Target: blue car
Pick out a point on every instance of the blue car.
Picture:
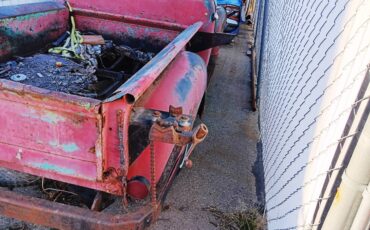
(233, 11)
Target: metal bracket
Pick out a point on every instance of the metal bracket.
(174, 129)
(203, 41)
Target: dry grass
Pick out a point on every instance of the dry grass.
(242, 220)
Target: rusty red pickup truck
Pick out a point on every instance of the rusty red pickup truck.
(98, 100)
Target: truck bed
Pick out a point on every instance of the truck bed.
(108, 67)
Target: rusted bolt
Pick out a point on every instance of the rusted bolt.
(189, 164)
(202, 131)
(184, 118)
(58, 64)
(184, 121)
(156, 115)
(175, 111)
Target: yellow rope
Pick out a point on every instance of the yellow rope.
(72, 42)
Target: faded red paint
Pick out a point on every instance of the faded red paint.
(50, 134)
(76, 140)
(182, 85)
(150, 20)
(183, 13)
(31, 31)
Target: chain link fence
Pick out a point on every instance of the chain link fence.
(312, 64)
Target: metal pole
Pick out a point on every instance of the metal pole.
(362, 218)
(354, 181)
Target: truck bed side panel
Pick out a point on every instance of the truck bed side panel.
(24, 28)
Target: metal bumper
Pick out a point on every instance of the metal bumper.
(63, 216)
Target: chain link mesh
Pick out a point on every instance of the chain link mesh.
(312, 59)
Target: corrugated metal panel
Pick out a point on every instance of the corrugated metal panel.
(312, 58)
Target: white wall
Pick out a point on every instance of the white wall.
(313, 62)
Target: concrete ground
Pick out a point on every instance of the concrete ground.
(222, 175)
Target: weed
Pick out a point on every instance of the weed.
(242, 220)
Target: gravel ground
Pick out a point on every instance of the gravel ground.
(222, 174)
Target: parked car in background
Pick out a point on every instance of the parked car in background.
(233, 12)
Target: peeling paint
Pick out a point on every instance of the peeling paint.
(69, 147)
(26, 9)
(27, 33)
(49, 117)
(86, 105)
(54, 168)
(52, 118)
(184, 86)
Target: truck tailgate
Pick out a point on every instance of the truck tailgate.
(48, 133)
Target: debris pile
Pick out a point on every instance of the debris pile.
(89, 70)
(78, 48)
(51, 72)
